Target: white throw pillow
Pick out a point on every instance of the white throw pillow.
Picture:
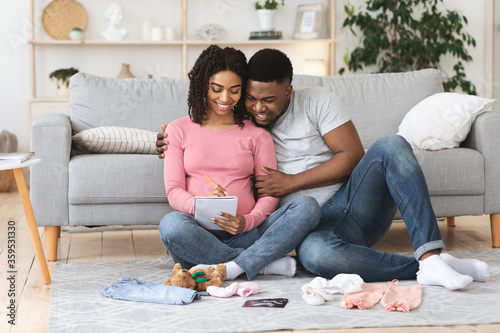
(442, 120)
(116, 140)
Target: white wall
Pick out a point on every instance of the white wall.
(14, 70)
(496, 58)
(236, 16)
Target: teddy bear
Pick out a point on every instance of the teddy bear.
(197, 278)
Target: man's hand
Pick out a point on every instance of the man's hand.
(274, 184)
(347, 149)
(161, 142)
(234, 226)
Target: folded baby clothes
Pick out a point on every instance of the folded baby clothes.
(243, 289)
(129, 289)
(248, 288)
(364, 299)
(341, 283)
(390, 295)
(402, 298)
(320, 289)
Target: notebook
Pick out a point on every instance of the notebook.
(15, 158)
(208, 207)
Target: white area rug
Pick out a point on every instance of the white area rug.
(76, 305)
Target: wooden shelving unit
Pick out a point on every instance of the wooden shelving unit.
(38, 106)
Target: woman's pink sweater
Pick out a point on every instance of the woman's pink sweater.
(229, 157)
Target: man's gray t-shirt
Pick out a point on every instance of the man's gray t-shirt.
(298, 136)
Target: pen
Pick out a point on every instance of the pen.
(225, 193)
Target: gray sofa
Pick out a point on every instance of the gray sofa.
(69, 189)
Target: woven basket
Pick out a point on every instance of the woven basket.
(7, 180)
(59, 17)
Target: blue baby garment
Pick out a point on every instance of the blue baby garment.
(129, 289)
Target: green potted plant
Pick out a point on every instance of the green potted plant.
(266, 13)
(268, 4)
(62, 77)
(405, 35)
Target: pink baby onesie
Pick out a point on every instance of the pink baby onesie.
(364, 299)
(402, 298)
(390, 295)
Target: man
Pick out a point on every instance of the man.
(320, 154)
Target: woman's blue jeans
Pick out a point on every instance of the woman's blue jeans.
(360, 213)
(189, 244)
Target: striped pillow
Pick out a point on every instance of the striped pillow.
(116, 140)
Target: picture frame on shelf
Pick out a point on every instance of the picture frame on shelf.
(308, 21)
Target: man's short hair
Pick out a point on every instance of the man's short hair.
(270, 65)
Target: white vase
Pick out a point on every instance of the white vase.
(158, 34)
(62, 89)
(266, 19)
(147, 27)
(169, 33)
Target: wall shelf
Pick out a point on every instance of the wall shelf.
(260, 41)
(50, 100)
(103, 42)
(179, 42)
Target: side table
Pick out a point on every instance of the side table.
(28, 212)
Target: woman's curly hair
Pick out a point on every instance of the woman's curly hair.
(213, 60)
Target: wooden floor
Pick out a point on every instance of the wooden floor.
(33, 298)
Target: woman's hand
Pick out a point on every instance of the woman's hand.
(217, 191)
(232, 224)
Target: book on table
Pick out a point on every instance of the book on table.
(13, 158)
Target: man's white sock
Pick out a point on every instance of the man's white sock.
(433, 271)
(232, 269)
(283, 266)
(479, 270)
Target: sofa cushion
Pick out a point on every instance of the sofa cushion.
(118, 214)
(134, 103)
(458, 171)
(116, 178)
(442, 120)
(116, 140)
(377, 103)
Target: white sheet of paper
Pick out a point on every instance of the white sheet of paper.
(208, 207)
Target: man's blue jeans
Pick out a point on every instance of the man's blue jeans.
(360, 213)
(189, 244)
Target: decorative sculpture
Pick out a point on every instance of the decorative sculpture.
(114, 15)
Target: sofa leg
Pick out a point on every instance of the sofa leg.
(52, 234)
(495, 229)
(450, 221)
